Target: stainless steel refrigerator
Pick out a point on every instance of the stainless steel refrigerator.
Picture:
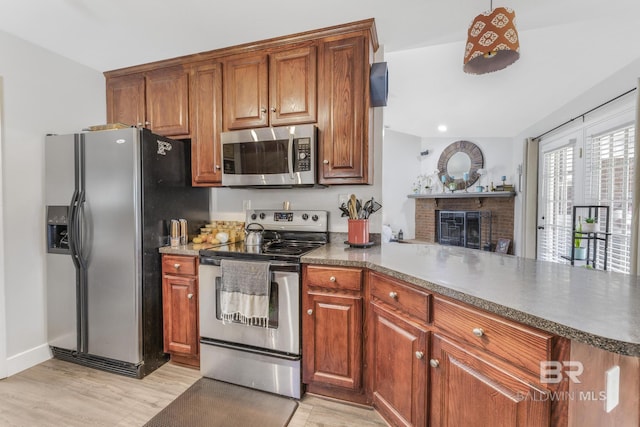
(110, 196)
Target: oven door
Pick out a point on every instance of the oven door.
(283, 333)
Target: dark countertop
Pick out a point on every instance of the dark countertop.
(190, 249)
(591, 306)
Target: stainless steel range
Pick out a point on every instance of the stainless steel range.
(265, 355)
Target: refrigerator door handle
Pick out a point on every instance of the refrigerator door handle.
(80, 231)
(73, 228)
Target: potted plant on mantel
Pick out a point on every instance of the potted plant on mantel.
(590, 225)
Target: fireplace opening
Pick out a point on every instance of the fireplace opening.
(469, 229)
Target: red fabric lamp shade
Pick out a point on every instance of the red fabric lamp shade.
(492, 42)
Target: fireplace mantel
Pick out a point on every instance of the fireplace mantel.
(463, 195)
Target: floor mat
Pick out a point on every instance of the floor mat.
(214, 403)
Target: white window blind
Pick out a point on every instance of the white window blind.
(555, 238)
(609, 159)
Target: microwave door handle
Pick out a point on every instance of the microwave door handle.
(290, 156)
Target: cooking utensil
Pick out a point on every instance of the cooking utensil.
(345, 210)
(352, 203)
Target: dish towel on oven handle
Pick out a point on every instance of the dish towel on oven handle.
(244, 292)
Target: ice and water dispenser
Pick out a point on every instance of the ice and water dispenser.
(57, 229)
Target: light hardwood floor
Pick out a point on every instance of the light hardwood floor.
(62, 394)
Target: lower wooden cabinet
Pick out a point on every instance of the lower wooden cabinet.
(471, 389)
(422, 359)
(180, 309)
(399, 356)
(332, 325)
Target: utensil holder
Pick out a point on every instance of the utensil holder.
(358, 231)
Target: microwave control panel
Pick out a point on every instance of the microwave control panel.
(303, 155)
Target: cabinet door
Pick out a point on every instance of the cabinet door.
(126, 100)
(469, 390)
(399, 368)
(245, 91)
(206, 116)
(332, 340)
(343, 112)
(168, 101)
(292, 86)
(180, 312)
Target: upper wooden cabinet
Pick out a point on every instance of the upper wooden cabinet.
(206, 124)
(157, 100)
(126, 99)
(319, 76)
(270, 89)
(345, 153)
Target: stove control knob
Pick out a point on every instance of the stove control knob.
(263, 215)
(305, 216)
(315, 218)
(254, 216)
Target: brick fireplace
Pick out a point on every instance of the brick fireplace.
(500, 205)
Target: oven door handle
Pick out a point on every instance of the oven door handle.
(274, 266)
(245, 349)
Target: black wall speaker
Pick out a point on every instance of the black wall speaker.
(379, 84)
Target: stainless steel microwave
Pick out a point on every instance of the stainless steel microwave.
(269, 157)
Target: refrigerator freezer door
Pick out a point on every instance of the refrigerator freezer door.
(61, 291)
(111, 218)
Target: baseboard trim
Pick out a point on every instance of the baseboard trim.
(27, 359)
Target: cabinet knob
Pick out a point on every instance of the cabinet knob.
(332, 279)
(147, 123)
(326, 162)
(310, 312)
(176, 266)
(478, 332)
(189, 296)
(419, 355)
(139, 124)
(263, 110)
(393, 295)
(273, 109)
(217, 167)
(434, 363)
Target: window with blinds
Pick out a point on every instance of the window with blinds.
(555, 239)
(609, 159)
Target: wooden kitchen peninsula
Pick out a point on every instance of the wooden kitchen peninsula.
(448, 330)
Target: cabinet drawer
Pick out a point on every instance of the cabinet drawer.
(177, 264)
(334, 277)
(521, 345)
(400, 296)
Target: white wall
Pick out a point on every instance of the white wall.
(43, 93)
(401, 165)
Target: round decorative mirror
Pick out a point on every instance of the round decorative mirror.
(460, 159)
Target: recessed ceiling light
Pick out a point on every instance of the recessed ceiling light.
(442, 128)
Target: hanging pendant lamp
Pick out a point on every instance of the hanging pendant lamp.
(492, 41)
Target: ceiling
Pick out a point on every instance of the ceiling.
(566, 47)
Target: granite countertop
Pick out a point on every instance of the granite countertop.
(192, 249)
(591, 306)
